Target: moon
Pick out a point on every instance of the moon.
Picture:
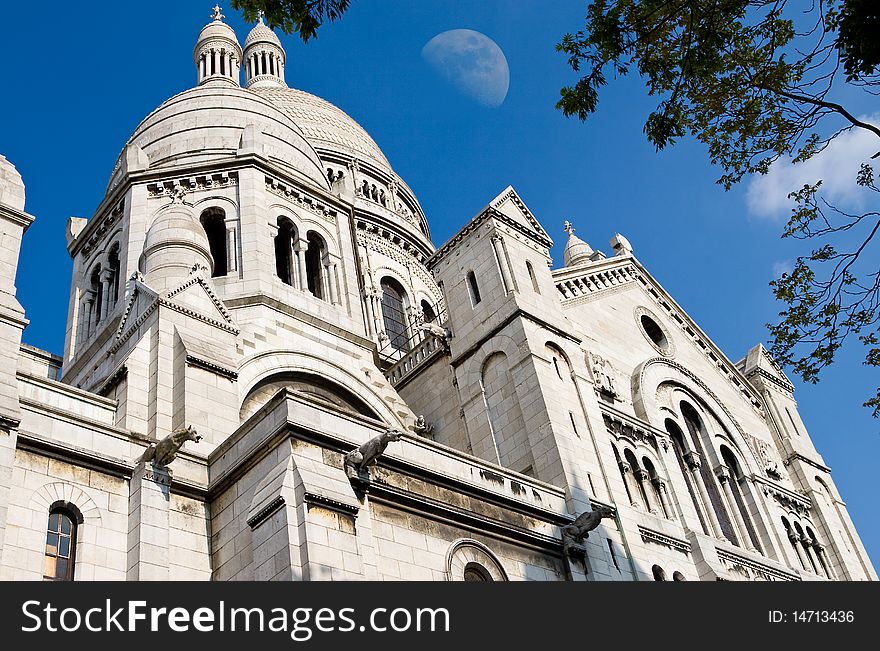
(472, 62)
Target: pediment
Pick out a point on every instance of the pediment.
(509, 204)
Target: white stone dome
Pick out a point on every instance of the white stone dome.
(206, 124)
(326, 125)
(174, 244)
(262, 34)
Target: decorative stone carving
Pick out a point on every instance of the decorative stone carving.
(443, 335)
(603, 375)
(772, 466)
(165, 451)
(422, 427)
(357, 462)
(575, 533)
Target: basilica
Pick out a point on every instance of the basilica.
(271, 372)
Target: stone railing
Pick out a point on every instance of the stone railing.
(606, 275)
(421, 352)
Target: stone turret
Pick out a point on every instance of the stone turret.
(264, 58)
(217, 54)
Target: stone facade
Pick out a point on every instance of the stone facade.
(258, 272)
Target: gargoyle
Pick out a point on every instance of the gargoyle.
(165, 451)
(575, 533)
(358, 461)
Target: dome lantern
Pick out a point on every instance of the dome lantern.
(217, 53)
(264, 57)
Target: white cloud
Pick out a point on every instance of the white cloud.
(836, 166)
(782, 267)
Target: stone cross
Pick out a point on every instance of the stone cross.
(217, 15)
(568, 228)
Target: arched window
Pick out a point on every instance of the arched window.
(314, 265)
(638, 478)
(805, 546)
(284, 241)
(794, 539)
(678, 576)
(113, 264)
(97, 297)
(60, 555)
(696, 430)
(625, 469)
(394, 314)
(532, 277)
(678, 445)
(736, 486)
(473, 288)
(428, 312)
(659, 574)
(819, 551)
(214, 222)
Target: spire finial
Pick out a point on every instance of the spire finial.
(568, 228)
(217, 15)
(260, 15)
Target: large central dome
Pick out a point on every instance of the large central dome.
(325, 126)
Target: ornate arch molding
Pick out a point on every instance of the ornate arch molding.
(273, 362)
(49, 495)
(653, 373)
(465, 551)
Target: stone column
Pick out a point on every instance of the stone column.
(148, 519)
(329, 275)
(89, 318)
(693, 461)
(231, 248)
(300, 250)
(82, 322)
(724, 477)
(502, 264)
(662, 491)
(642, 477)
(106, 281)
(795, 539)
(825, 561)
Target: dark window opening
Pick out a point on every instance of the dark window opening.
(214, 223)
(659, 574)
(473, 287)
(283, 251)
(113, 263)
(98, 294)
(314, 253)
(428, 312)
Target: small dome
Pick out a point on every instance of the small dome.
(174, 244)
(11, 185)
(261, 33)
(576, 250)
(217, 30)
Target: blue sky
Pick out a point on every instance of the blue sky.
(84, 79)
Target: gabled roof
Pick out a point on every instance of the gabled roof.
(507, 208)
